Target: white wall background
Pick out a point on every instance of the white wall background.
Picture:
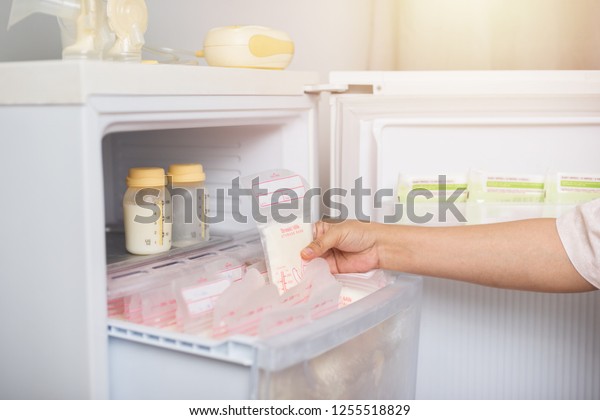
(329, 34)
(36, 38)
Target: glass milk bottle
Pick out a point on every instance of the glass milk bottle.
(145, 210)
(186, 187)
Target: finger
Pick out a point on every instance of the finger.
(319, 228)
(329, 257)
(321, 244)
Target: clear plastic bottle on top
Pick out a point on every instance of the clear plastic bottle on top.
(189, 202)
(146, 211)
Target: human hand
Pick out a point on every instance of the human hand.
(348, 247)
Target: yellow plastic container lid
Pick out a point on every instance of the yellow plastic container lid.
(187, 172)
(146, 177)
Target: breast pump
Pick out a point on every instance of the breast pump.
(93, 29)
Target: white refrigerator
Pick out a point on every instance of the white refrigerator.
(71, 130)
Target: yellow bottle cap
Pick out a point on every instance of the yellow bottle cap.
(146, 177)
(188, 172)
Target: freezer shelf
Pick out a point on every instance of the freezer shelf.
(365, 350)
(117, 257)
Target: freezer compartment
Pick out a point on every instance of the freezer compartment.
(228, 147)
(226, 152)
(365, 350)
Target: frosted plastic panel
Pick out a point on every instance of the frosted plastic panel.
(377, 364)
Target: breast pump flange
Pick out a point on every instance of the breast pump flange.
(93, 29)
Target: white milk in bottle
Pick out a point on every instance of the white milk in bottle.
(147, 225)
(188, 198)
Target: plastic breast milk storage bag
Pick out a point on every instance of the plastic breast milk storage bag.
(500, 197)
(124, 294)
(427, 194)
(501, 187)
(221, 267)
(285, 226)
(434, 186)
(572, 188)
(198, 302)
(325, 290)
(318, 293)
(241, 308)
(144, 298)
(159, 307)
(261, 267)
(356, 286)
(253, 307)
(199, 286)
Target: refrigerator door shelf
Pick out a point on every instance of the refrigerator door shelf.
(495, 121)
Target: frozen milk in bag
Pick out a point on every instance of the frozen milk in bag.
(285, 226)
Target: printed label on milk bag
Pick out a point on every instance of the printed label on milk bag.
(283, 243)
(280, 190)
(201, 298)
(579, 183)
(515, 184)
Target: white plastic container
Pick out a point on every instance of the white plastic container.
(248, 46)
(147, 226)
(188, 197)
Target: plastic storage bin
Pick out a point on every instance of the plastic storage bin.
(366, 350)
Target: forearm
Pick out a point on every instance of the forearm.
(526, 255)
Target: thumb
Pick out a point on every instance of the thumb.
(320, 245)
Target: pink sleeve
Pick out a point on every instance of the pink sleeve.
(579, 231)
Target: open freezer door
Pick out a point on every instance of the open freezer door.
(476, 342)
